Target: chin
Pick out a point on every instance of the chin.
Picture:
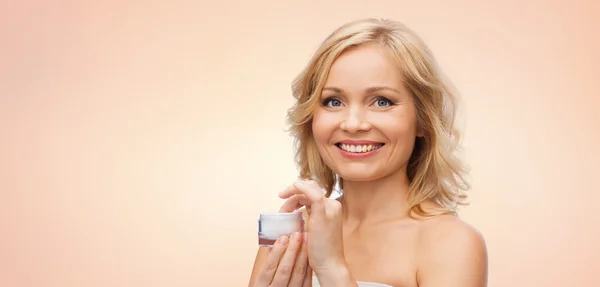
(360, 173)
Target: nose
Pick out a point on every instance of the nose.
(355, 121)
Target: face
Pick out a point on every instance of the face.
(365, 124)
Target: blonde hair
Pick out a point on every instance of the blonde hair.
(434, 171)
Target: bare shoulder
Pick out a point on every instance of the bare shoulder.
(449, 231)
(451, 253)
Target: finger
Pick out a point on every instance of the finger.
(286, 265)
(309, 188)
(294, 202)
(275, 253)
(287, 192)
(308, 278)
(300, 266)
(312, 191)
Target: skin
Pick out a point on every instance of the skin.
(368, 235)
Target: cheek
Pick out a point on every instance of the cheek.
(322, 127)
(399, 127)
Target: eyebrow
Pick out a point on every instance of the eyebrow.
(368, 90)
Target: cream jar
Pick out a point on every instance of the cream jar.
(272, 225)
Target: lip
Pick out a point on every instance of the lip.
(357, 142)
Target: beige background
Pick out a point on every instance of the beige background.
(140, 139)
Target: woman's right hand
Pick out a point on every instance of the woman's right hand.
(287, 264)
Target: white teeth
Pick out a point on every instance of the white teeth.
(359, 148)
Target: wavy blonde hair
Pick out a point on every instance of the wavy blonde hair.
(435, 173)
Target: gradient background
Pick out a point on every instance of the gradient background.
(140, 139)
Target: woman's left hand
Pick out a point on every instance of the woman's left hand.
(323, 225)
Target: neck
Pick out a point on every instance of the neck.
(379, 200)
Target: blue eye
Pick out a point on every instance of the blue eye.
(332, 103)
(383, 102)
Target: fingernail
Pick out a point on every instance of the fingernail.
(296, 236)
(283, 240)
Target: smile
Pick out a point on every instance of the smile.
(358, 148)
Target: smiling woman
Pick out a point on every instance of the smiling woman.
(375, 117)
(364, 103)
(403, 74)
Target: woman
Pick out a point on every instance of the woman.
(375, 118)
